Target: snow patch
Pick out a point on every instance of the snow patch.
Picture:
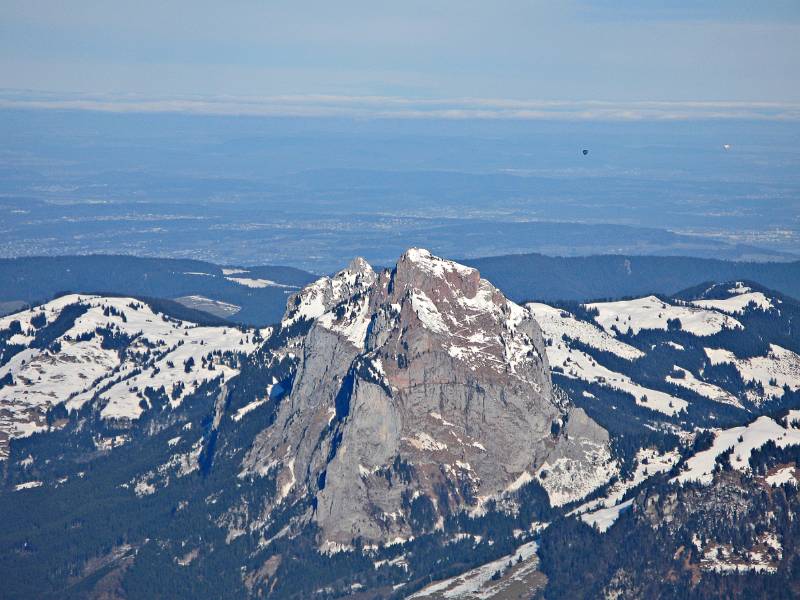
(28, 485)
(651, 313)
(423, 441)
(710, 391)
(477, 583)
(259, 283)
(604, 518)
(738, 304)
(556, 323)
(743, 440)
(783, 476)
(780, 367)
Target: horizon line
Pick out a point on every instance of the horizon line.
(381, 107)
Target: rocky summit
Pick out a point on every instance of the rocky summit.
(420, 389)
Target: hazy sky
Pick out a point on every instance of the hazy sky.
(620, 52)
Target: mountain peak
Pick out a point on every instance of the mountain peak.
(419, 379)
(417, 267)
(462, 314)
(359, 266)
(325, 293)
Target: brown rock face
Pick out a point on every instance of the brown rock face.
(419, 391)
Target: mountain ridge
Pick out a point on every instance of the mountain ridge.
(395, 427)
(257, 295)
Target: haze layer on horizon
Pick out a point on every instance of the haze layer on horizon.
(614, 51)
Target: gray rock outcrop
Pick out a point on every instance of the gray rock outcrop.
(420, 391)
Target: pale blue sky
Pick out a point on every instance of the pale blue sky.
(619, 52)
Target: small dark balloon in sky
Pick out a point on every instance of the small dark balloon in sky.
(585, 151)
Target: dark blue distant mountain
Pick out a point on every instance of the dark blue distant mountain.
(539, 277)
(247, 295)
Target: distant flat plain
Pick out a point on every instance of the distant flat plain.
(313, 193)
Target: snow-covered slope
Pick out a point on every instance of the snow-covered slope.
(652, 313)
(741, 441)
(742, 297)
(603, 512)
(111, 351)
(665, 353)
(557, 323)
(778, 369)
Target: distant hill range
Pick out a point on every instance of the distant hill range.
(538, 277)
(257, 295)
(242, 295)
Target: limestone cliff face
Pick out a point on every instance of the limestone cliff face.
(419, 392)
